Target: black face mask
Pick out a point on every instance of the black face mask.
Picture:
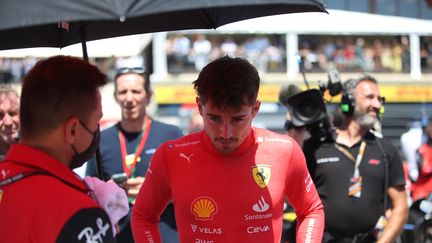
(80, 158)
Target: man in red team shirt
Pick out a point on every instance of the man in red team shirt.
(41, 199)
(228, 182)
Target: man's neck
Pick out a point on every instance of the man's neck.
(136, 125)
(4, 148)
(50, 146)
(351, 134)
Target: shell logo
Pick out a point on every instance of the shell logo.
(204, 208)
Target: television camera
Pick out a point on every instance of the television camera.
(308, 110)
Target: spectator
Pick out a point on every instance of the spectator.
(229, 47)
(201, 49)
(127, 146)
(411, 140)
(9, 118)
(180, 49)
(423, 186)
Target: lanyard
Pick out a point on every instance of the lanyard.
(23, 175)
(356, 161)
(129, 168)
(16, 178)
(355, 187)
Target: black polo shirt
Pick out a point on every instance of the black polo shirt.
(332, 170)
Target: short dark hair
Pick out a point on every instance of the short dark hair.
(228, 83)
(55, 90)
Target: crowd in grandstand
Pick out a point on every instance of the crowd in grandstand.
(189, 53)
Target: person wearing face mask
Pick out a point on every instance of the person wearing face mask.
(41, 199)
(126, 147)
(359, 175)
(9, 118)
(228, 182)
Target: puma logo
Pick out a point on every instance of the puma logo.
(182, 155)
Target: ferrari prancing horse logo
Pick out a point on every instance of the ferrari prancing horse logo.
(261, 175)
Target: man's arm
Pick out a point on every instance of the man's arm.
(87, 225)
(398, 216)
(303, 196)
(178, 133)
(152, 199)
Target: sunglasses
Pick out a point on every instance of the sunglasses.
(137, 70)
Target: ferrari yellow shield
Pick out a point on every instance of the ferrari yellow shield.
(261, 175)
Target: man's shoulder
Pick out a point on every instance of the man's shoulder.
(50, 194)
(379, 138)
(159, 124)
(66, 190)
(184, 142)
(113, 129)
(267, 139)
(268, 133)
(161, 131)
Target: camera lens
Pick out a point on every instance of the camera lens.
(307, 107)
(308, 110)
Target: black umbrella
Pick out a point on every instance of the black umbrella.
(59, 23)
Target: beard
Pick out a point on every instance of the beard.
(364, 119)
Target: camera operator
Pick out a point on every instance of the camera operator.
(298, 133)
(355, 173)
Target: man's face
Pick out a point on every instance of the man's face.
(131, 96)
(86, 130)
(368, 103)
(227, 129)
(86, 136)
(9, 118)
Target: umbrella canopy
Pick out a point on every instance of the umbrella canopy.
(123, 46)
(59, 23)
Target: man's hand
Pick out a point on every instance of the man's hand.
(132, 187)
(111, 198)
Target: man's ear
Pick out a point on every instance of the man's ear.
(149, 96)
(71, 129)
(256, 108)
(199, 105)
(115, 91)
(115, 97)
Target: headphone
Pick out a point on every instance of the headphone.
(347, 103)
